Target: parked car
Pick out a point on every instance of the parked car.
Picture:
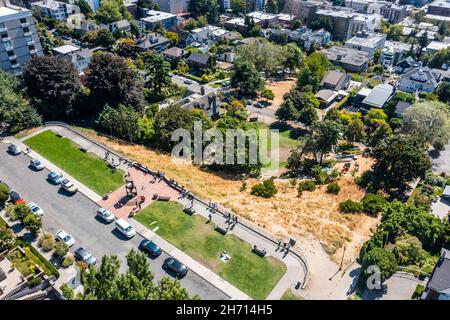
(65, 237)
(262, 104)
(125, 228)
(36, 164)
(82, 254)
(68, 186)
(105, 215)
(35, 209)
(66, 37)
(226, 84)
(249, 102)
(188, 81)
(150, 247)
(54, 178)
(15, 197)
(14, 150)
(176, 266)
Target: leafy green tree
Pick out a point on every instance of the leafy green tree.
(373, 203)
(157, 72)
(85, 8)
(439, 58)
(443, 92)
(112, 11)
(54, 85)
(239, 6)
(382, 132)
(173, 37)
(32, 223)
(272, 6)
(111, 81)
(400, 159)
(7, 238)
(422, 42)
(101, 37)
(322, 140)
(47, 39)
(19, 212)
(430, 121)
(385, 260)
(322, 22)
(4, 194)
(294, 57)
(354, 130)
(61, 249)
(168, 289)
(207, 8)
(122, 122)
(312, 72)
(138, 266)
(15, 110)
(246, 78)
(409, 251)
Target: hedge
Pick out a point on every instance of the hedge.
(37, 257)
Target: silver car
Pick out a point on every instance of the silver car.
(105, 215)
(36, 164)
(68, 186)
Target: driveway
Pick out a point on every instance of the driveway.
(400, 286)
(441, 208)
(442, 162)
(193, 87)
(76, 215)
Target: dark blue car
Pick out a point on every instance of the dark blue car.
(150, 247)
(54, 178)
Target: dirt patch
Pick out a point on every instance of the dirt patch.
(279, 89)
(313, 214)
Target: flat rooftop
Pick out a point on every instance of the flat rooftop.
(366, 39)
(65, 49)
(347, 55)
(440, 3)
(154, 16)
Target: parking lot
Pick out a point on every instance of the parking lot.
(76, 215)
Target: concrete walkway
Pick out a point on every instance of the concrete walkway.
(294, 273)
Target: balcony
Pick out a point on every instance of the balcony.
(27, 34)
(9, 48)
(25, 24)
(15, 66)
(12, 57)
(33, 51)
(4, 29)
(29, 43)
(6, 39)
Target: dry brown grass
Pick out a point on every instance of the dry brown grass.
(314, 213)
(279, 89)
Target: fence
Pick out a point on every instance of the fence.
(172, 183)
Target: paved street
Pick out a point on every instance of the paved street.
(194, 87)
(76, 215)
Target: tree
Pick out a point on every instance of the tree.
(294, 57)
(423, 42)
(169, 289)
(47, 39)
(207, 8)
(443, 91)
(122, 122)
(322, 140)
(125, 47)
(167, 121)
(54, 85)
(157, 72)
(400, 159)
(112, 11)
(408, 250)
(139, 267)
(308, 114)
(32, 223)
(101, 37)
(373, 204)
(61, 249)
(430, 121)
(7, 238)
(440, 58)
(239, 6)
(85, 8)
(312, 72)
(173, 38)
(354, 129)
(111, 81)
(246, 78)
(272, 6)
(322, 23)
(15, 110)
(4, 194)
(381, 258)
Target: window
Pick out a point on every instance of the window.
(26, 29)
(4, 35)
(10, 53)
(28, 39)
(23, 20)
(13, 62)
(31, 47)
(2, 25)
(7, 44)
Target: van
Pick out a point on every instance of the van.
(125, 228)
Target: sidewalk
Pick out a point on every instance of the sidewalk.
(294, 273)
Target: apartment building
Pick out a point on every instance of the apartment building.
(173, 6)
(394, 13)
(439, 8)
(54, 9)
(19, 39)
(367, 41)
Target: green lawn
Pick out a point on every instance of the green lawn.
(83, 166)
(288, 138)
(250, 273)
(290, 295)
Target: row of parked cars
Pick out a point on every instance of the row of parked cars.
(123, 226)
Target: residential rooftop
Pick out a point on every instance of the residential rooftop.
(154, 16)
(66, 49)
(366, 39)
(347, 55)
(441, 3)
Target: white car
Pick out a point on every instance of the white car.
(65, 237)
(105, 215)
(35, 209)
(68, 186)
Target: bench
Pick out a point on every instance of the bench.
(163, 198)
(83, 149)
(221, 229)
(259, 252)
(189, 210)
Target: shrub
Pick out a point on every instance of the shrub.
(4, 194)
(68, 261)
(61, 249)
(308, 185)
(350, 206)
(373, 203)
(333, 188)
(34, 282)
(48, 244)
(386, 261)
(265, 189)
(7, 238)
(33, 223)
(267, 94)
